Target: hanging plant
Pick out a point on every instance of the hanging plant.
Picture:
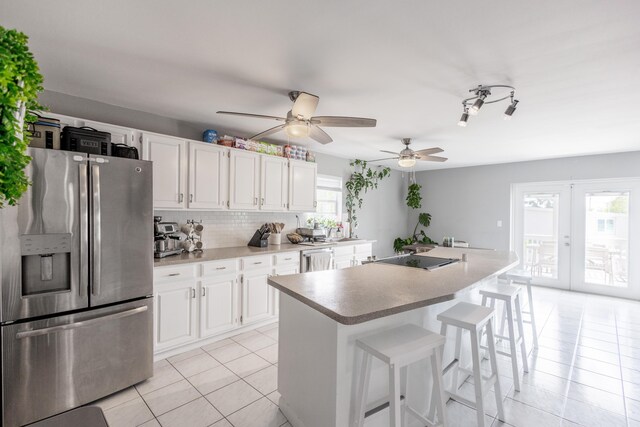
(362, 180)
(20, 83)
(414, 199)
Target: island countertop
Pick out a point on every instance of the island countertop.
(359, 294)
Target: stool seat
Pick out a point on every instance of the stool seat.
(401, 342)
(500, 292)
(467, 316)
(519, 276)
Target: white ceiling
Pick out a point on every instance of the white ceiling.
(408, 64)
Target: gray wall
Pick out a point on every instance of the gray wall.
(466, 203)
(384, 214)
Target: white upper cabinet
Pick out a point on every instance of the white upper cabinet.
(274, 183)
(244, 180)
(169, 157)
(302, 186)
(208, 176)
(119, 134)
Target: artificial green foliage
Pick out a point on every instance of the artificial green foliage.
(362, 180)
(20, 83)
(414, 199)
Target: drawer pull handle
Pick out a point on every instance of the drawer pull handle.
(258, 262)
(173, 274)
(288, 259)
(221, 268)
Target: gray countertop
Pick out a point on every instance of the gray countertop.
(359, 294)
(239, 252)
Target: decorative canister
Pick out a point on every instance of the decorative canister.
(210, 135)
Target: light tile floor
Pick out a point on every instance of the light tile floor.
(586, 372)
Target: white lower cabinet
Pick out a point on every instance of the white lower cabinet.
(343, 262)
(286, 263)
(175, 313)
(255, 295)
(351, 255)
(218, 305)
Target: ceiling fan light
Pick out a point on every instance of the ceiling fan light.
(464, 119)
(406, 162)
(510, 110)
(477, 105)
(297, 129)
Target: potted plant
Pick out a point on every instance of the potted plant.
(414, 201)
(20, 83)
(362, 180)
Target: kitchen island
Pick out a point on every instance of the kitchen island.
(323, 313)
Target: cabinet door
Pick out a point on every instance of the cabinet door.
(218, 302)
(175, 314)
(343, 262)
(169, 166)
(244, 177)
(302, 186)
(275, 294)
(274, 183)
(255, 296)
(208, 176)
(119, 134)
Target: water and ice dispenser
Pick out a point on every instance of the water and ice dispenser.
(46, 263)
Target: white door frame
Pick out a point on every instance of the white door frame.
(574, 263)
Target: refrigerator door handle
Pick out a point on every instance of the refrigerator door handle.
(97, 238)
(84, 228)
(53, 329)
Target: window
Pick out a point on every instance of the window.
(606, 226)
(329, 195)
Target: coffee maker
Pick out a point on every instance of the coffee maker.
(166, 242)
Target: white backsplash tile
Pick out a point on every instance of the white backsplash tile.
(229, 229)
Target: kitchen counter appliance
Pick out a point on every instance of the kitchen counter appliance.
(76, 285)
(166, 238)
(86, 140)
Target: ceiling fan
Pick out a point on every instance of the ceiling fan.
(407, 157)
(300, 121)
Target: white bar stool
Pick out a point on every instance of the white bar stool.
(400, 347)
(510, 295)
(473, 318)
(524, 278)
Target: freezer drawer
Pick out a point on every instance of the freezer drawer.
(53, 365)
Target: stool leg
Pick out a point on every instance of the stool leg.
(494, 370)
(434, 400)
(458, 353)
(477, 377)
(523, 345)
(394, 396)
(532, 315)
(512, 345)
(438, 388)
(406, 392)
(363, 387)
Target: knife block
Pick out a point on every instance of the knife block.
(258, 240)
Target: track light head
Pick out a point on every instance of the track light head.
(477, 105)
(464, 118)
(510, 109)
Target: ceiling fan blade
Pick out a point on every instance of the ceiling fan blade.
(390, 152)
(433, 158)
(344, 122)
(305, 105)
(428, 151)
(257, 116)
(319, 135)
(268, 132)
(386, 158)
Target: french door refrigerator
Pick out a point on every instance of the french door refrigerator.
(76, 271)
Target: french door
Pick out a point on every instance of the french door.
(580, 235)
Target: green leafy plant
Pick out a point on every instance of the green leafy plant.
(20, 83)
(414, 201)
(362, 180)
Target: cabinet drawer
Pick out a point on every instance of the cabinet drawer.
(286, 258)
(365, 249)
(255, 262)
(177, 272)
(220, 267)
(341, 251)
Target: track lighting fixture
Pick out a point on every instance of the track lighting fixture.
(482, 95)
(464, 118)
(511, 108)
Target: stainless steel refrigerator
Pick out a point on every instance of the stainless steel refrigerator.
(76, 284)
